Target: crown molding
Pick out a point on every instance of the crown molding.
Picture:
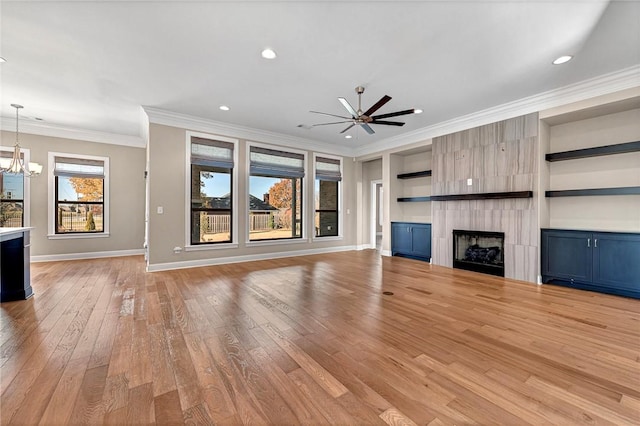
(188, 122)
(624, 79)
(56, 131)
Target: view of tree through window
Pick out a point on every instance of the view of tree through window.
(275, 194)
(275, 208)
(211, 201)
(79, 194)
(79, 204)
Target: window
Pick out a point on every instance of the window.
(275, 194)
(327, 196)
(13, 191)
(80, 194)
(211, 215)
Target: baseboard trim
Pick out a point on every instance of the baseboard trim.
(89, 255)
(385, 253)
(247, 258)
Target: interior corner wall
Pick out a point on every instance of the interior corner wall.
(497, 157)
(126, 196)
(167, 174)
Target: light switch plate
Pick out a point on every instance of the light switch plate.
(160, 210)
(469, 182)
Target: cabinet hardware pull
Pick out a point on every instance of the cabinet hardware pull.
(595, 242)
(588, 242)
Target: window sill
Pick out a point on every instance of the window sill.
(76, 236)
(328, 238)
(205, 247)
(277, 242)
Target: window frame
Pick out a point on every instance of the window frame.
(53, 202)
(340, 236)
(26, 185)
(187, 195)
(303, 197)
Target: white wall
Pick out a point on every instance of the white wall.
(126, 197)
(167, 157)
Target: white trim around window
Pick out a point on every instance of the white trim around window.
(340, 235)
(26, 185)
(51, 213)
(187, 194)
(305, 196)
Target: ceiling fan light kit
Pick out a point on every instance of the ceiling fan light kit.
(364, 119)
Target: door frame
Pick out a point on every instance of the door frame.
(373, 212)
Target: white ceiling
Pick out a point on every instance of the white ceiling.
(92, 65)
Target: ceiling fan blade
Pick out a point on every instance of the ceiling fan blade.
(388, 123)
(335, 122)
(367, 128)
(377, 105)
(332, 115)
(350, 126)
(348, 107)
(394, 114)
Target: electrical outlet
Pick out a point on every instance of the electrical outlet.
(469, 182)
(160, 210)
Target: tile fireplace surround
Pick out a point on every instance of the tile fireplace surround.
(498, 157)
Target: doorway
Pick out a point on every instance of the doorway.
(376, 214)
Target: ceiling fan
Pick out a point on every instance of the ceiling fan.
(364, 119)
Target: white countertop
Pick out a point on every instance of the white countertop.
(10, 233)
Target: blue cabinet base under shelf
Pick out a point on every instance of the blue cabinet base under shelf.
(606, 262)
(410, 239)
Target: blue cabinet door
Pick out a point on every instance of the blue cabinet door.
(616, 261)
(400, 238)
(566, 255)
(421, 240)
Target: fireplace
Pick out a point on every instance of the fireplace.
(479, 251)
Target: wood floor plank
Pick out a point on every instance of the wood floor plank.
(312, 340)
(167, 409)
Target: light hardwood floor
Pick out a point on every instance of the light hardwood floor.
(313, 340)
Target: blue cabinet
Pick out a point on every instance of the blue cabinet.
(411, 240)
(608, 262)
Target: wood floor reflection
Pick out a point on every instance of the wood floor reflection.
(312, 340)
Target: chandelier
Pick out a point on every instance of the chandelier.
(16, 164)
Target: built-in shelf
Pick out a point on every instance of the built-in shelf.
(412, 175)
(483, 196)
(620, 148)
(413, 199)
(625, 190)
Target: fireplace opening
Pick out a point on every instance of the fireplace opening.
(479, 251)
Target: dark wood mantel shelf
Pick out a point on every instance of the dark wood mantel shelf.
(483, 196)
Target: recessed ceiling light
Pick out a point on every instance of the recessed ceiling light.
(348, 137)
(224, 107)
(562, 59)
(417, 111)
(269, 54)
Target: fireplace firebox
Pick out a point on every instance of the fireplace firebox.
(479, 251)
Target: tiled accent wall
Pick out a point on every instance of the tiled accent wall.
(498, 157)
